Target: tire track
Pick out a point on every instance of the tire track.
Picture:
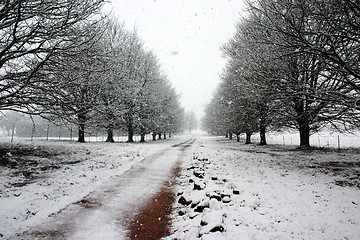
(153, 220)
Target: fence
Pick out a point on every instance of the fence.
(58, 133)
(322, 139)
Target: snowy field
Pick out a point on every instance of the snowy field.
(234, 191)
(226, 190)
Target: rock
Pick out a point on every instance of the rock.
(183, 201)
(182, 212)
(212, 226)
(199, 186)
(201, 206)
(214, 204)
(199, 209)
(199, 174)
(236, 192)
(224, 195)
(226, 199)
(192, 215)
(212, 217)
(216, 196)
(217, 229)
(214, 178)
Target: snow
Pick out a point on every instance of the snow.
(100, 164)
(229, 191)
(278, 198)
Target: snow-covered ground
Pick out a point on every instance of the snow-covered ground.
(233, 191)
(227, 190)
(82, 170)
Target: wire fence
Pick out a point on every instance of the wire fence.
(322, 139)
(59, 135)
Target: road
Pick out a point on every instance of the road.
(116, 211)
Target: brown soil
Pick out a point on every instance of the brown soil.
(153, 220)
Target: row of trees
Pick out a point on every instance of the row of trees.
(64, 61)
(290, 64)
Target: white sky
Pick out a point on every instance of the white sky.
(186, 36)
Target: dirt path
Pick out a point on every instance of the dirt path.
(153, 220)
(112, 211)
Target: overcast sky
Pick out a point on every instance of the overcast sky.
(186, 36)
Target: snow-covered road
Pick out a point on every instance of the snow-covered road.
(117, 204)
(108, 207)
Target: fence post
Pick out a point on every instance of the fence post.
(60, 132)
(33, 128)
(339, 142)
(12, 134)
(47, 133)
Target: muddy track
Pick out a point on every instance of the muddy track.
(144, 190)
(153, 220)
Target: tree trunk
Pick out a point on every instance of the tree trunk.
(110, 133)
(164, 135)
(237, 137)
(263, 135)
(142, 137)
(248, 138)
(130, 128)
(303, 119)
(130, 135)
(154, 136)
(81, 122)
(159, 134)
(169, 135)
(304, 130)
(230, 136)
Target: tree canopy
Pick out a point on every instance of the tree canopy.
(290, 64)
(64, 61)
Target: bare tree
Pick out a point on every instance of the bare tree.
(31, 32)
(320, 92)
(74, 88)
(291, 63)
